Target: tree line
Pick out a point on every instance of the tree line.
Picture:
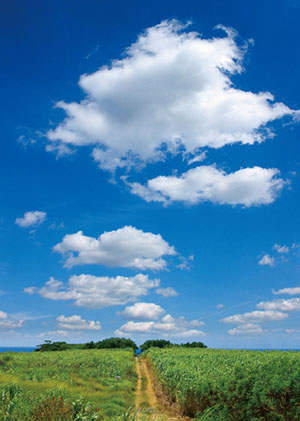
(111, 343)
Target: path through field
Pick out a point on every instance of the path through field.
(146, 402)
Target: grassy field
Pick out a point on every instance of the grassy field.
(68, 385)
(225, 385)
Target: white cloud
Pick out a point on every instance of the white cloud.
(167, 292)
(281, 249)
(255, 316)
(59, 334)
(143, 311)
(99, 292)
(267, 260)
(247, 186)
(30, 290)
(246, 329)
(171, 89)
(220, 306)
(292, 304)
(75, 322)
(125, 247)
(167, 326)
(289, 291)
(31, 219)
(198, 158)
(7, 323)
(292, 330)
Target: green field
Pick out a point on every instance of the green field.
(230, 385)
(67, 385)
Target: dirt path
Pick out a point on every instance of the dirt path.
(146, 401)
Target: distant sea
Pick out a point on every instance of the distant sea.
(16, 349)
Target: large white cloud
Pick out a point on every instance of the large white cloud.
(288, 291)
(98, 291)
(143, 311)
(292, 304)
(76, 322)
(172, 90)
(255, 316)
(167, 326)
(31, 219)
(125, 247)
(248, 186)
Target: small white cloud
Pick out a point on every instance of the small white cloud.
(292, 304)
(293, 331)
(59, 334)
(246, 329)
(98, 292)
(143, 311)
(31, 219)
(167, 292)
(172, 88)
(167, 326)
(248, 186)
(220, 306)
(267, 260)
(288, 291)
(75, 322)
(281, 249)
(125, 247)
(30, 290)
(198, 158)
(255, 316)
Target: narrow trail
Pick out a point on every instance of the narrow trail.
(146, 401)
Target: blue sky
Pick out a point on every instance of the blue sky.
(150, 172)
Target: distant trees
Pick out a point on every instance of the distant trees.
(158, 343)
(118, 343)
(194, 345)
(162, 343)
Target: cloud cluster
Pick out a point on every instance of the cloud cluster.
(98, 292)
(292, 304)
(171, 91)
(248, 186)
(31, 219)
(167, 326)
(125, 247)
(7, 323)
(281, 249)
(246, 329)
(143, 311)
(255, 316)
(75, 322)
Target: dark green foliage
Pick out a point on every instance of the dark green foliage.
(194, 345)
(119, 343)
(156, 343)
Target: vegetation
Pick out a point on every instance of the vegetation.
(158, 343)
(194, 345)
(120, 343)
(71, 385)
(228, 385)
